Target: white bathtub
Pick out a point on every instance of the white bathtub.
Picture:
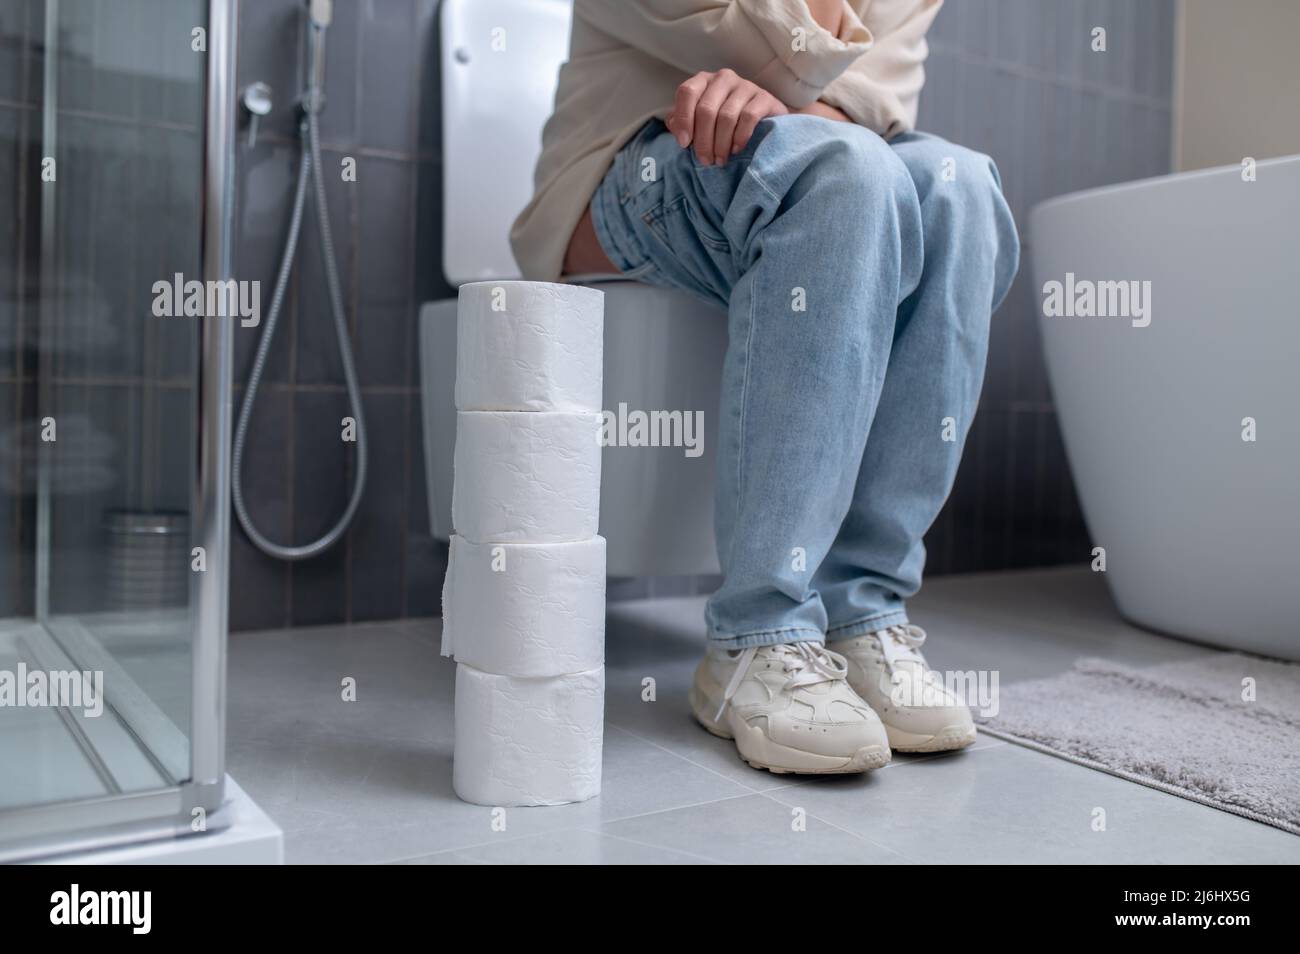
(1201, 528)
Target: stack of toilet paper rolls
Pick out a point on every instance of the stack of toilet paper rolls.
(524, 598)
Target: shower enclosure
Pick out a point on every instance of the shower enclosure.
(116, 134)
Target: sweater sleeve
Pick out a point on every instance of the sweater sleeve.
(881, 90)
(774, 43)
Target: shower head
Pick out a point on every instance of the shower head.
(321, 12)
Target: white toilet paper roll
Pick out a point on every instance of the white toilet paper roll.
(525, 609)
(526, 477)
(528, 741)
(529, 346)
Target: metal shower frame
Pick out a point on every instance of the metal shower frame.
(129, 817)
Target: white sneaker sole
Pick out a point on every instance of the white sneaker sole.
(754, 747)
(946, 739)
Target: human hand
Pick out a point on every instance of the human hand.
(717, 112)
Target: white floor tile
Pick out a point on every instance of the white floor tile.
(370, 780)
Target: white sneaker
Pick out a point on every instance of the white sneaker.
(887, 670)
(789, 709)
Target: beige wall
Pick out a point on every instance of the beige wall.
(1236, 81)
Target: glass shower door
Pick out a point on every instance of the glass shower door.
(113, 410)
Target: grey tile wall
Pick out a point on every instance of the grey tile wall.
(1017, 79)
(1014, 78)
(381, 110)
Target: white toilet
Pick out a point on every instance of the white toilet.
(663, 349)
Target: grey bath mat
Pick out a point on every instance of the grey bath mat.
(1182, 727)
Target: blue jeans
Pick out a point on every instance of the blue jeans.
(859, 277)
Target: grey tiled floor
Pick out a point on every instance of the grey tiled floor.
(370, 780)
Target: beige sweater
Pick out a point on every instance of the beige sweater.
(627, 58)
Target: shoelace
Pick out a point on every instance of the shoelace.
(900, 644)
(809, 663)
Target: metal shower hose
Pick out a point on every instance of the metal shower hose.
(310, 166)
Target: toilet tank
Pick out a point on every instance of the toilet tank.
(500, 62)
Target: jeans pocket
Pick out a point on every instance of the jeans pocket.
(705, 230)
(654, 219)
(677, 226)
